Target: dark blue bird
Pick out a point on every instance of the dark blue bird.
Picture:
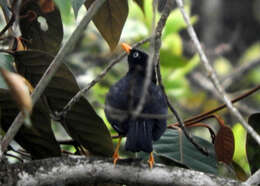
(124, 96)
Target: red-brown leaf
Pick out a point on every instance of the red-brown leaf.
(224, 144)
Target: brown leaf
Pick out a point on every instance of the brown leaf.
(46, 5)
(19, 45)
(110, 20)
(41, 30)
(19, 90)
(224, 144)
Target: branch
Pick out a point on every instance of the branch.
(57, 61)
(78, 170)
(240, 71)
(83, 91)
(254, 179)
(213, 76)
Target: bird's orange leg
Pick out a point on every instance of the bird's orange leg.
(151, 160)
(115, 155)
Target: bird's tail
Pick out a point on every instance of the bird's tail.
(139, 136)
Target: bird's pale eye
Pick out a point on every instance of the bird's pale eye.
(136, 54)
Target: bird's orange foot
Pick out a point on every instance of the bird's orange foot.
(115, 155)
(151, 160)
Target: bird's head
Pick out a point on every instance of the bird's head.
(137, 59)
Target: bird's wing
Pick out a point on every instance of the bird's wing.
(116, 105)
(156, 106)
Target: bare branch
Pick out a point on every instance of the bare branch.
(57, 61)
(254, 180)
(77, 170)
(213, 76)
(240, 71)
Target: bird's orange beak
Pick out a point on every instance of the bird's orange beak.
(126, 47)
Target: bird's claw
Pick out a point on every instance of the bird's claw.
(115, 158)
(151, 161)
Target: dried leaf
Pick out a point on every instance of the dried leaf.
(224, 144)
(19, 90)
(19, 45)
(110, 20)
(46, 5)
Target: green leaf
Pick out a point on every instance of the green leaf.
(42, 31)
(140, 3)
(6, 62)
(81, 122)
(110, 20)
(180, 150)
(76, 4)
(240, 156)
(253, 153)
(175, 22)
(65, 10)
(37, 138)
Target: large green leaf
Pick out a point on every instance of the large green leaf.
(40, 30)
(110, 19)
(240, 155)
(81, 122)
(179, 149)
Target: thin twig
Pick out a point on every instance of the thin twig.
(57, 61)
(83, 91)
(212, 74)
(156, 32)
(155, 62)
(207, 85)
(8, 25)
(179, 120)
(240, 71)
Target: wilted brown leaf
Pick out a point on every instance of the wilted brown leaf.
(18, 89)
(46, 5)
(110, 20)
(224, 144)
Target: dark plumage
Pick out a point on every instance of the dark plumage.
(125, 95)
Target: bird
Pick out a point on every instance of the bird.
(124, 96)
